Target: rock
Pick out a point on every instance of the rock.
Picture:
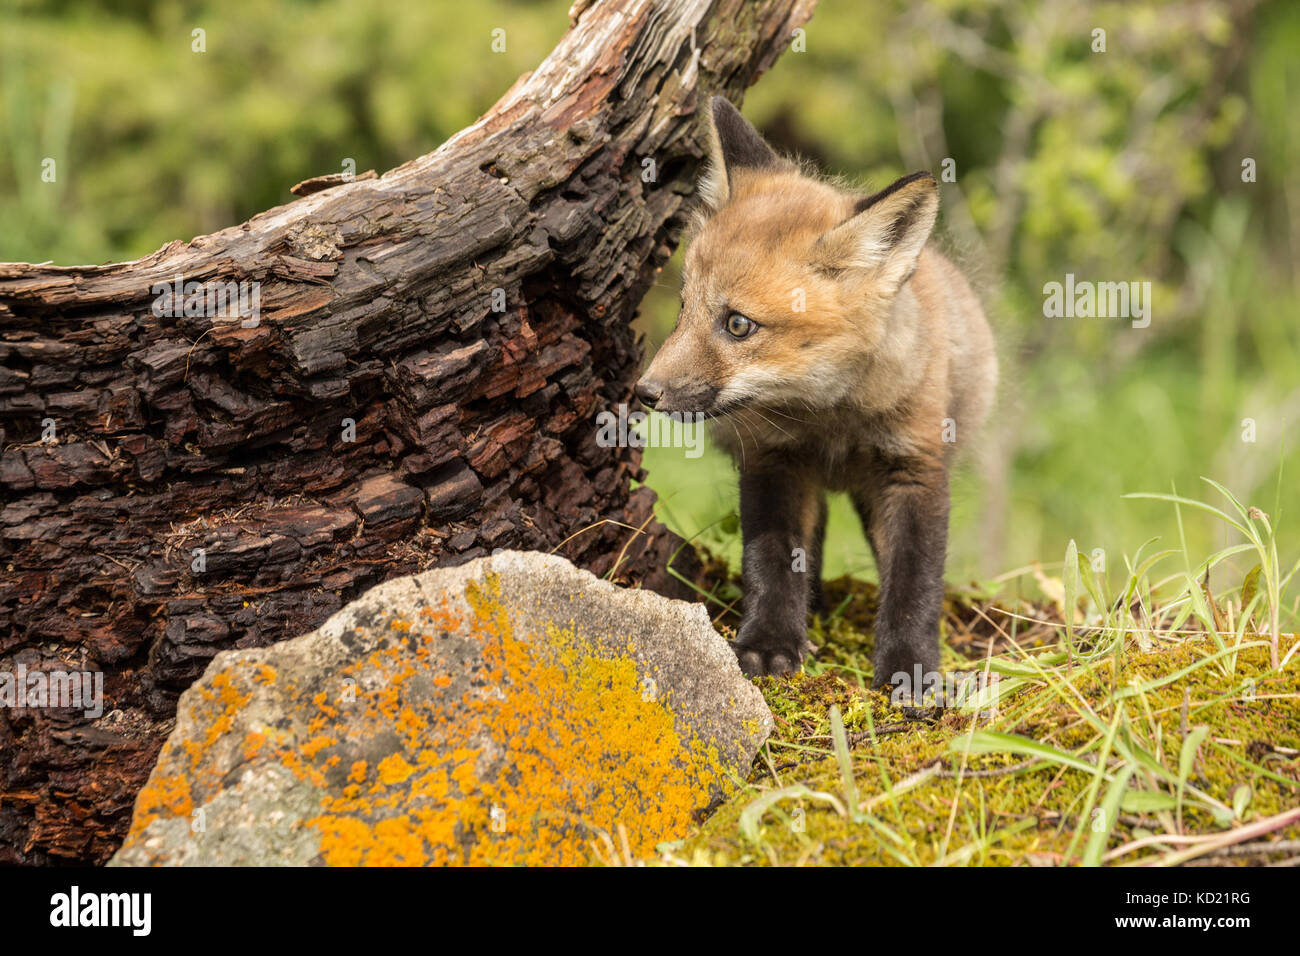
(512, 710)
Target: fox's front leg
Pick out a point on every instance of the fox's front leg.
(779, 511)
(907, 525)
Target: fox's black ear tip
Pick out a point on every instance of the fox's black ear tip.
(923, 180)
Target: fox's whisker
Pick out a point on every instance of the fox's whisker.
(801, 421)
(740, 440)
(755, 410)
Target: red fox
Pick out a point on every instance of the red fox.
(834, 351)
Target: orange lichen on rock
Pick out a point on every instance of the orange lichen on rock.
(229, 700)
(493, 748)
(253, 744)
(178, 784)
(394, 769)
(167, 796)
(553, 744)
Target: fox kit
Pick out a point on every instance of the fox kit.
(834, 351)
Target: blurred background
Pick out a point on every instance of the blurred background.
(1163, 149)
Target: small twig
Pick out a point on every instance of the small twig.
(861, 735)
(1258, 848)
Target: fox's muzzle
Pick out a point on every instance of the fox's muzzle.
(677, 396)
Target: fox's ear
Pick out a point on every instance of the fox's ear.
(886, 232)
(733, 144)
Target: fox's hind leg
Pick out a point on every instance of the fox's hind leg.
(816, 550)
(779, 511)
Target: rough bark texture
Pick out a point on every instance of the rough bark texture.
(130, 439)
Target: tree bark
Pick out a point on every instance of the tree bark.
(419, 388)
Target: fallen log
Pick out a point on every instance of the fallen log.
(221, 443)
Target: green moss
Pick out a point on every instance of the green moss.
(1002, 808)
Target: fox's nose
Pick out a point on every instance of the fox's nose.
(649, 392)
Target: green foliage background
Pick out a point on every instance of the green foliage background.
(1122, 165)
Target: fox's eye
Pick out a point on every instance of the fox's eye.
(739, 325)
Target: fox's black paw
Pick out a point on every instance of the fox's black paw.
(762, 653)
(889, 661)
